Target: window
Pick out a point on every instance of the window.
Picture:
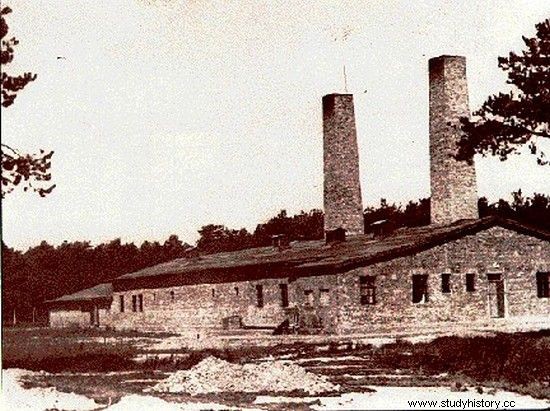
(324, 296)
(543, 284)
(236, 290)
(445, 283)
(309, 297)
(470, 282)
(494, 277)
(213, 292)
(367, 290)
(121, 303)
(134, 303)
(259, 295)
(172, 296)
(140, 303)
(419, 288)
(284, 295)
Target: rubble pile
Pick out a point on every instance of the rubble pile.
(213, 375)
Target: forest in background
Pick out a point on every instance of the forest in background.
(45, 271)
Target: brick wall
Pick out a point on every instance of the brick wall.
(492, 251)
(342, 191)
(69, 318)
(335, 299)
(453, 183)
(199, 306)
(205, 306)
(79, 316)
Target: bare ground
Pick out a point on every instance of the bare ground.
(355, 366)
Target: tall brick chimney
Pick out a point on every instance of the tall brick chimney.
(342, 190)
(453, 183)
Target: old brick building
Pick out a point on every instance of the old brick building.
(458, 269)
(84, 308)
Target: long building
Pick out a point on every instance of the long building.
(460, 268)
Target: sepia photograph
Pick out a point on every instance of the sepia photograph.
(275, 205)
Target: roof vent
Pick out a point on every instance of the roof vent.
(382, 228)
(280, 241)
(337, 235)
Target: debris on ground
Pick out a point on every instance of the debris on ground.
(457, 386)
(213, 375)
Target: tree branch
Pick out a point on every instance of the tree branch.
(12, 149)
(536, 133)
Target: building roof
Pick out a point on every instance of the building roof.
(99, 292)
(310, 257)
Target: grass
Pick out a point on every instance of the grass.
(76, 350)
(516, 362)
(56, 350)
(66, 355)
(71, 349)
(17, 333)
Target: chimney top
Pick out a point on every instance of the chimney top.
(337, 235)
(330, 95)
(382, 228)
(448, 56)
(280, 241)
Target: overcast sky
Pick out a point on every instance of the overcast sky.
(167, 115)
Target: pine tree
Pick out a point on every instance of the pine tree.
(30, 171)
(507, 121)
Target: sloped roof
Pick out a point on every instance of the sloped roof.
(311, 257)
(98, 292)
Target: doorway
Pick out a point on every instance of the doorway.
(94, 316)
(496, 295)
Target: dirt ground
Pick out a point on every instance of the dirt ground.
(360, 370)
(353, 375)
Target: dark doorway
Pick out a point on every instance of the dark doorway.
(284, 294)
(496, 296)
(94, 316)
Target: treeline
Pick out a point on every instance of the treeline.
(45, 272)
(309, 225)
(306, 226)
(302, 226)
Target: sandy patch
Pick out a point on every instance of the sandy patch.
(394, 376)
(330, 366)
(390, 398)
(15, 397)
(280, 357)
(329, 359)
(379, 342)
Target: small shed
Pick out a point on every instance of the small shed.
(85, 308)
